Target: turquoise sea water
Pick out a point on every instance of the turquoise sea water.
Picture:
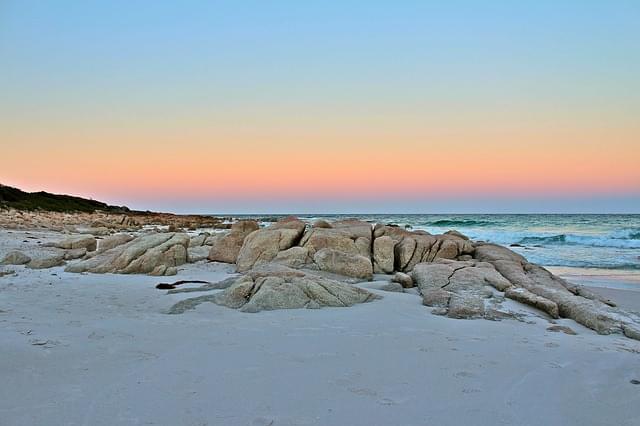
(574, 240)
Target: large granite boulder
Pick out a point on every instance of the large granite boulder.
(347, 236)
(343, 247)
(460, 288)
(75, 253)
(263, 245)
(198, 253)
(413, 247)
(342, 263)
(321, 223)
(583, 307)
(46, 262)
(295, 257)
(383, 255)
(289, 290)
(153, 253)
(199, 240)
(88, 242)
(112, 241)
(273, 286)
(226, 248)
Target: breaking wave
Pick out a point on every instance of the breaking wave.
(459, 222)
(622, 239)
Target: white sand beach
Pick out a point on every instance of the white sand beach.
(89, 349)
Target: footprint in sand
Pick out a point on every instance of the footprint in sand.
(386, 401)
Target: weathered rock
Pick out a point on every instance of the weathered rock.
(456, 233)
(586, 293)
(320, 223)
(212, 240)
(273, 286)
(591, 313)
(392, 287)
(436, 297)
(158, 270)
(413, 247)
(525, 296)
(272, 269)
(404, 279)
(339, 262)
(113, 241)
(343, 248)
(383, 254)
(78, 241)
(163, 270)
(465, 306)
(562, 328)
(348, 236)
(142, 255)
(263, 245)
(631, 331)
(15, 257)
(295, 257)
(197, 253)
(290, 292)
(98, 231)
(226, 248)
(46, 262)
(75, 253)
(199, 240)
(171, 253)
(381, 285)
(459, 287)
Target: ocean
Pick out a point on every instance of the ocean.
(605, 241)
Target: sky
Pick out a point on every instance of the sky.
(324, 107)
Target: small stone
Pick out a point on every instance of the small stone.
(403, 279)
(393, 287)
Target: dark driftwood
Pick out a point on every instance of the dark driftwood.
(167, 286)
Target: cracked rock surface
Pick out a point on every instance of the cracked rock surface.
(278, 287)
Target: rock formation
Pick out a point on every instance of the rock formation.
(545, 291)
(88, 242)
(46, 262)
(411, 248)
(263, 245)
(292, 265)
(156, 254)
(113, 241)
(227, 247)
(277, 287)
(15, 257)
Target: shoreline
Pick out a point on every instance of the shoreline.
(597, 277)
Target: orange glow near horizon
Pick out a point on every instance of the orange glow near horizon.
(462, 162)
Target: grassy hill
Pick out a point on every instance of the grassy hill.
(15, 198)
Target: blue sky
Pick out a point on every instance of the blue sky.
(245, 106)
